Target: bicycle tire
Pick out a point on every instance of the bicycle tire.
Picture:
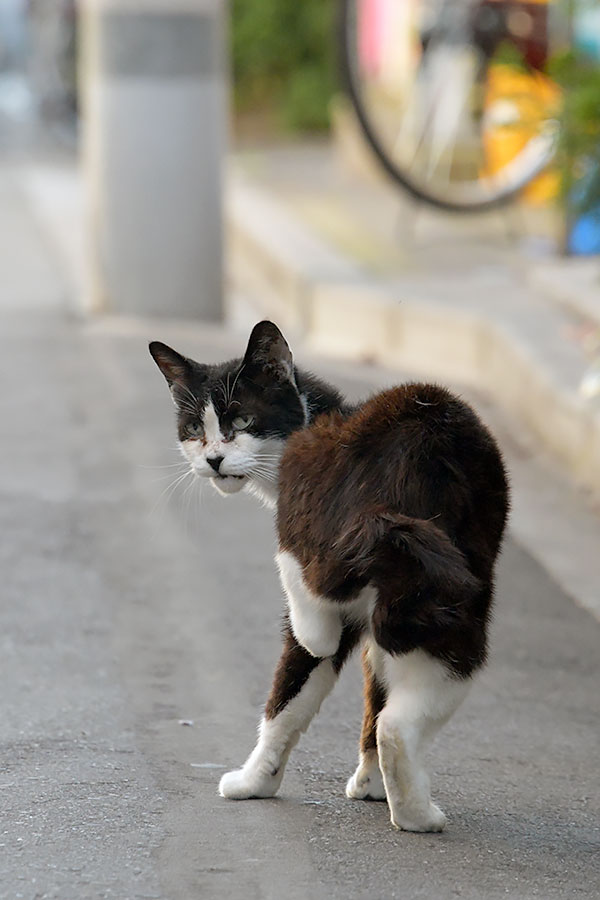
(350, 83)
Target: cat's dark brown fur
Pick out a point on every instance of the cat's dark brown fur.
(408, 494)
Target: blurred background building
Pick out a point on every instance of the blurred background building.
(374, 121)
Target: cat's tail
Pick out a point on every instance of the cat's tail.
(372, 544)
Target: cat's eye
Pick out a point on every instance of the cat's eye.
(193, 429)
(241, 422)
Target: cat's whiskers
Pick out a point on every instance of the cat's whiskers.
(267, 463)
(160, 478)
(177, 482)
(235, 381)
(221, 387)
(191, 404)
(175, 468)
(161, 466)
(170, 489)
(189, 393)
(259, 454)
(191, 491)
(263, 472)
(185, 406)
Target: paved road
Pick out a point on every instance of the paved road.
(121, 620)
(123, 615)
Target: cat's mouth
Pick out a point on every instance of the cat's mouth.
(227, 484)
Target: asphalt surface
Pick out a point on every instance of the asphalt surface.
(125, 613)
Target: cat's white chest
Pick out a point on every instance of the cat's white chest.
(317, 622)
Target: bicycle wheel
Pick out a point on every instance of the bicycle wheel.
(451, 94)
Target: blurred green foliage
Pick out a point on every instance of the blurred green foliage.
(506, 54)
(579, 141)
(283, 60)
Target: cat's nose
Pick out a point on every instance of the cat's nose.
(214, 462)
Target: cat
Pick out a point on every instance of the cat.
(390, 517)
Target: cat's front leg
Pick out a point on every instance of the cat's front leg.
(316, 622)
(300, 685)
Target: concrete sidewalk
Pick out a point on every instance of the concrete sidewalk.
(361, 271)
(122, 620)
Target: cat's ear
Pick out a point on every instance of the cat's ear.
(177, 369)
(268, 355)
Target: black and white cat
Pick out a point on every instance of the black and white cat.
(390, 517)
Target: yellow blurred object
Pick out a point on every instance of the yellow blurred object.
(542, 189)
(516, 105)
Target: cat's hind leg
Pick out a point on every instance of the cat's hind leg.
(422, 697)
(300, 685)
(367, 782)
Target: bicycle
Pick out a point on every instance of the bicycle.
(452, 95)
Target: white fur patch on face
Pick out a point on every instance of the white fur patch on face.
(212, 428)
(247, 460)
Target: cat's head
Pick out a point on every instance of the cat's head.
(233, 419)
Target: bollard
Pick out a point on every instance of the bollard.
(154, 124)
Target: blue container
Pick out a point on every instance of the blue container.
(584, 236)
(584, 239)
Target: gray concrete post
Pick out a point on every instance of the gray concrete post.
(154, 125)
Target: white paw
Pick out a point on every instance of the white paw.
(410, 819)
(366, 783)
(242, 784)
